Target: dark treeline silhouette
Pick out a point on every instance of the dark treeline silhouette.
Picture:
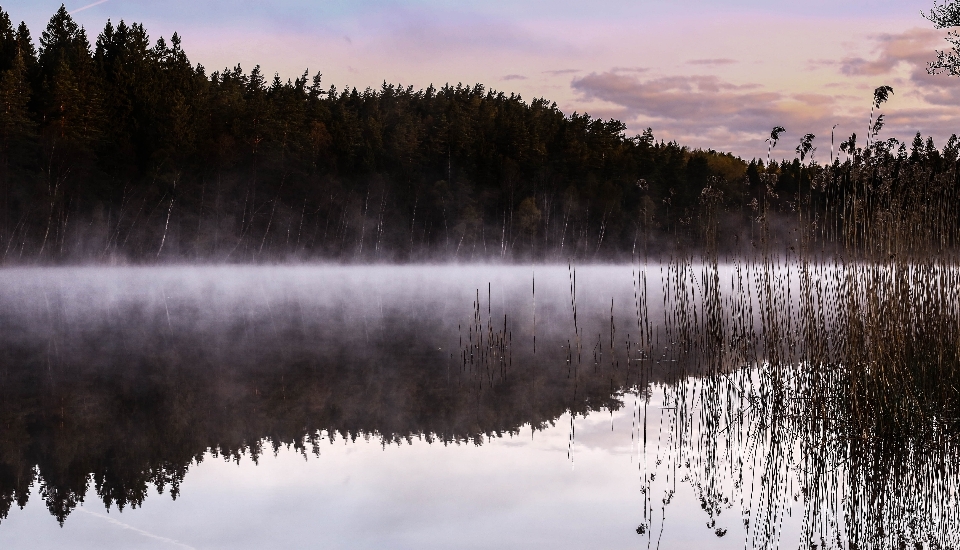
(877, 202)
(123, 150)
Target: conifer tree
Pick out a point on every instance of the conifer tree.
(8, 42)
(28, 52)
(16, 132)
(69, 98)
(15, 122)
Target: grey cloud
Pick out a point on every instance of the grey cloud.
(560, 72)
(944, 96)
(704, 98)
(913, 47)
(858, 66)
(514, 77)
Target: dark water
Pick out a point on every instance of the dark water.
(412, 407)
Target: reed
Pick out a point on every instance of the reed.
(832, 383)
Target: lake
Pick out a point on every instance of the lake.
(679, 405)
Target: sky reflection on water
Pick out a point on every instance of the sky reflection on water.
(508, 493)
(406, 407)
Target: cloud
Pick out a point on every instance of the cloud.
(514, 77)
(719, 61)
(630, 70)
(910, 51)
(432, 33)
(561, 72)
(705, 98)
(705, 110)
(714, 111)
(913, 48)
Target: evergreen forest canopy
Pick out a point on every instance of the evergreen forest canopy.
(124, 151)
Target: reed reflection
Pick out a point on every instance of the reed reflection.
(828, 389)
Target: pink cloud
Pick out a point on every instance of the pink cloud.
(913, 48)
(720, 61)
(707, 111)
(708, 100)
(713, 111)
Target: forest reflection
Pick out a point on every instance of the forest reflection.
(821, 389)
(118, 395)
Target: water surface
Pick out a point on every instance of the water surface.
(429, 406)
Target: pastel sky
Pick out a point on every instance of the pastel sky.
(712, 74)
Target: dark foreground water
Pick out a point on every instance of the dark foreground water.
(425, 407)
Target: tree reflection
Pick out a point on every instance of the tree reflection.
(128, 401)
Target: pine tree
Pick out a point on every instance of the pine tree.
(69, 95)
(8, 42)
(15, 121)
(16, 129)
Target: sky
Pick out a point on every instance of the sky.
(707, 73)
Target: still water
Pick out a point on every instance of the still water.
(409, 407)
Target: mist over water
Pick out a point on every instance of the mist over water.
(804, 392)
(126, 378)
(245, 315)
(690, 405)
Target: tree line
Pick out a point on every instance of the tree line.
(124, 151)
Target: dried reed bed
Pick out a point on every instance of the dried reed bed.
(819, 376)
(886, 208)
(833, 384)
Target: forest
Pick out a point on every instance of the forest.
(123, 151)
